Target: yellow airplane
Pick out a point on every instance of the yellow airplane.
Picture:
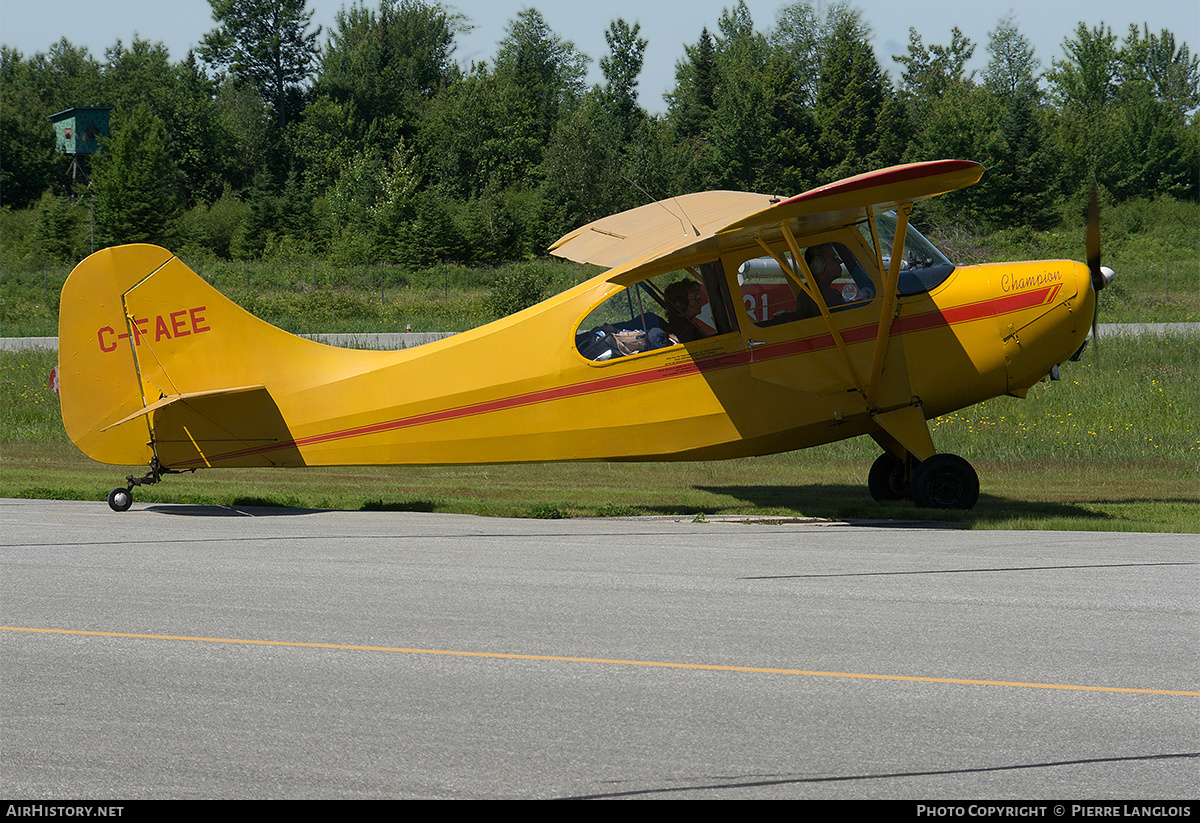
(727, 324)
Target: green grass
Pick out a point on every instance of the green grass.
(29, 411)
(1133, 400)
(1098, 495)
(1114, 446)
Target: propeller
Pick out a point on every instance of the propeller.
(1101, 275)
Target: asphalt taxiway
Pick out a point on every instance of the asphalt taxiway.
(192, 651)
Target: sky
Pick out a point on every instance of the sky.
(32, 26)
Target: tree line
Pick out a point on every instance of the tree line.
(378, 145)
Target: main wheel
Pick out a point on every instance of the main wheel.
(119, 500)
(886, 479)
(945, 481)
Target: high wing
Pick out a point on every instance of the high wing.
(656, 228)
(682, 227)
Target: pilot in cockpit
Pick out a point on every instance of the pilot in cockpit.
(684, 300)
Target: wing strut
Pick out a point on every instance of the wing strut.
(904, 431)
(891, 281)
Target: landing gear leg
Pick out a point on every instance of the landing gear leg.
(945, 481)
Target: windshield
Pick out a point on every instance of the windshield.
(923, 267)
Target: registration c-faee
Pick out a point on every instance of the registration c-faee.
(165, 327)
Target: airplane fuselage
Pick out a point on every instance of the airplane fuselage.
(519, 390)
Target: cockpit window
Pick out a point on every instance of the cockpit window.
(771, 297)
(668, 310)
(923, 267)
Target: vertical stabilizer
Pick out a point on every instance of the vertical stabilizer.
(155, 362)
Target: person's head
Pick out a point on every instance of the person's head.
(823, 262)
(684, 297)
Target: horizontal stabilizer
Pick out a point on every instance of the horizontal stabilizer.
(235, 427)
(166, 401)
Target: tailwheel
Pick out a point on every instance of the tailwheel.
(888, 478)
(119, 500)
(945, 481)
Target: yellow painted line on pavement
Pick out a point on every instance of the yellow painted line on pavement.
(607, 661)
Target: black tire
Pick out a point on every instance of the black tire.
(886, 478)
(119, 500)
(945, 481)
